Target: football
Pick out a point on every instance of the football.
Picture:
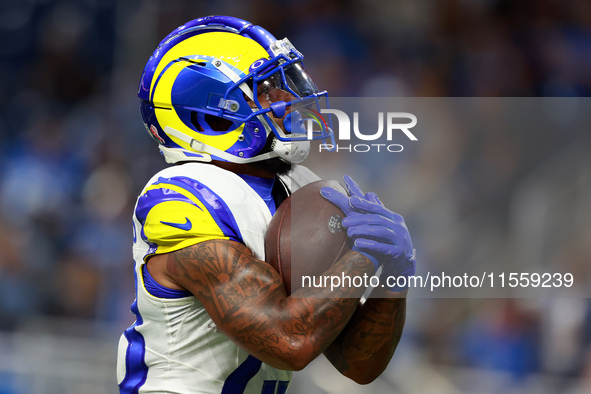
(305, 236)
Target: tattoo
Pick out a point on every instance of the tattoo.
(171, 266)
(247, 300)
(369, 340)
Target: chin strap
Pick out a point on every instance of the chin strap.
(204, 151)
(291, 152)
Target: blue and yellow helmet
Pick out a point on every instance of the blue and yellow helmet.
(199, 95)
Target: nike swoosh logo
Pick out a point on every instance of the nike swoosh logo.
(183, 226)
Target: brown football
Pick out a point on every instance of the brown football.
(305, 236)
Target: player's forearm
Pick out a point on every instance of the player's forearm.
(317, 316)
(290, 332)
(245, 298)
(365, 346)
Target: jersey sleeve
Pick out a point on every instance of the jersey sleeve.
(178, 212)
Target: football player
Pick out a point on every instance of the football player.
(224, 100)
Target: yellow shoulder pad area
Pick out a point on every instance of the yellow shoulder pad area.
(174, 225)
(179, 212)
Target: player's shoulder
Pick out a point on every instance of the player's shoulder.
(189, 203)
(215, 187)
(203, 180)
(195, 174)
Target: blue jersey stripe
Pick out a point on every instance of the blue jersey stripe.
(269, 387)
(282, 386)
(136, 370)
(237, 381)
(155, 196)
(158, 290)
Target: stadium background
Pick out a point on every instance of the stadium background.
(74, 155)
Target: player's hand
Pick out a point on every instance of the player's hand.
(377, 232)
(395, 262)
(390, 240)
(343, 202)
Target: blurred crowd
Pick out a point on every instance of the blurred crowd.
(74, 153)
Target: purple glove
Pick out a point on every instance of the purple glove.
(377, 232)
(343, 202)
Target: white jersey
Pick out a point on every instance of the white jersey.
(174, 346)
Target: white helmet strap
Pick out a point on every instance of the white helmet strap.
(204, 151)
(292, 152)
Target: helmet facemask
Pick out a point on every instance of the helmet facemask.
(291, 104)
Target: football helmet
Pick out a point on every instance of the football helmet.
(199, 95)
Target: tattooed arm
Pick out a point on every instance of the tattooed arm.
(247, 300)
(365, 346)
